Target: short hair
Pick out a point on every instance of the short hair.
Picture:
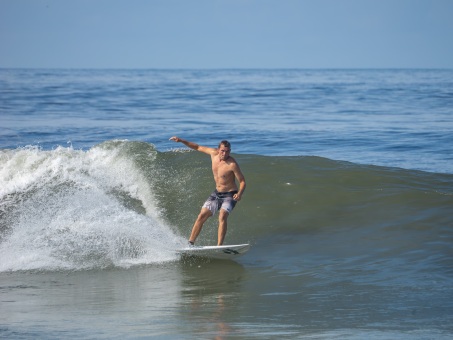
(225, 143)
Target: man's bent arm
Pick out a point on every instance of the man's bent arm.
(240, 177)
(241, 191)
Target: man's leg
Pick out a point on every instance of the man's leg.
(223, 216)
(201, 219)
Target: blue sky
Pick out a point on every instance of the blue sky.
(226, 33)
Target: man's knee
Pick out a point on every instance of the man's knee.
(223, 215)
(204, 214)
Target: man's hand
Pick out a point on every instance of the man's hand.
(175, 139)
(237, 197)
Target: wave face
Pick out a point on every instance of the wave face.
(124, 203)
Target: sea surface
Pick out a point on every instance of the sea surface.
(348, 207)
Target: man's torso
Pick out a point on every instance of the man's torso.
(224, 174)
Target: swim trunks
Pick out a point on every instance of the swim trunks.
(220, 200)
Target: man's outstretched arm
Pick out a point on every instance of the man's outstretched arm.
(194, 146)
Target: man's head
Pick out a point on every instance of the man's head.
(225, 143)
(224, 149)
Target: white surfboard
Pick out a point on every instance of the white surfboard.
(216, 252)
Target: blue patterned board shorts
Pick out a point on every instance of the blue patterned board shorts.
(220, 200)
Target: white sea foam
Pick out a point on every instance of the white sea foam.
(70, 209)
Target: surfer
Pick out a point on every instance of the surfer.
(226, 171)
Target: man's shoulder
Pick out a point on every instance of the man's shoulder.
(231, 161)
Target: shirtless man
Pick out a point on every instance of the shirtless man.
(225, 170)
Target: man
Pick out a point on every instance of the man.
(225, 170)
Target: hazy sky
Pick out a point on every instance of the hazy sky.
(226, 33)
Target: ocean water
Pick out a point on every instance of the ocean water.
(348, 206)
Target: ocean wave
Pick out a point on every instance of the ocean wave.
(124, 203)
